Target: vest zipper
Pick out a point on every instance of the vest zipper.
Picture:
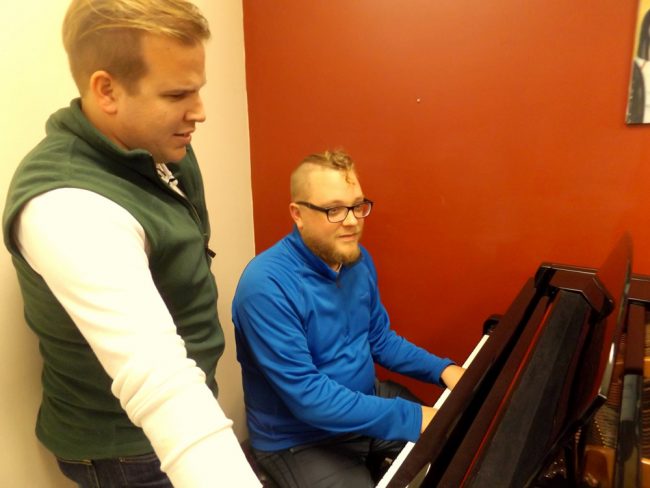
(195, 214)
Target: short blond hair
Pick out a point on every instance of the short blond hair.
(337, 160)
(106, 34)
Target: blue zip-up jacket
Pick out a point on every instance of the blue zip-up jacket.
(307, 340)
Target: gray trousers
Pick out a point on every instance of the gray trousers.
(344, 461)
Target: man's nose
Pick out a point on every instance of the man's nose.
(350, 218)
(197, 111)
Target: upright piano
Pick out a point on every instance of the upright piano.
(553, 397)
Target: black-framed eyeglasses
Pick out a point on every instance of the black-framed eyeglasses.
(340, 213)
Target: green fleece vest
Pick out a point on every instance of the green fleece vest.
(79, 417)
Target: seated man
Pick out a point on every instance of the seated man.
(310, 327)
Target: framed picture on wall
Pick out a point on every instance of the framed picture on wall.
(638, 102)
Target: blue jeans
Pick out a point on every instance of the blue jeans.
(125, 472)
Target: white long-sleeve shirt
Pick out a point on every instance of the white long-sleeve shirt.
(93, 255)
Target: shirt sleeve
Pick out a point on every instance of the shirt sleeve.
(274, 334)
(395, 352)
(93, 256)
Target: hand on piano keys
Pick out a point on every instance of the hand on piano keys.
(450, 376)
(455, 373)
(427, 416)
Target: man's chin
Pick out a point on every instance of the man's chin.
(177, 155)
(334, 254)
(350, 257)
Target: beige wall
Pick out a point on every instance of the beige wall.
(35, 82)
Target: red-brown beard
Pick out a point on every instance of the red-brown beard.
(330, 254)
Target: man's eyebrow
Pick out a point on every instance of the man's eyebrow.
(183, 88)
(179, 90)
(341, 203)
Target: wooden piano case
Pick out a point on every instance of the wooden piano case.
(513, 419)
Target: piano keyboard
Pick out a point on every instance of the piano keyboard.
(409, 445)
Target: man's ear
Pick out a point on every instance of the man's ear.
(105, 90)
(294, 210)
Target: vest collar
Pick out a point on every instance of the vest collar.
(72, 119)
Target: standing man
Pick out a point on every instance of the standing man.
(310, 327)
(107, 226)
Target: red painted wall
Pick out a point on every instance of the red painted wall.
(491, 136)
